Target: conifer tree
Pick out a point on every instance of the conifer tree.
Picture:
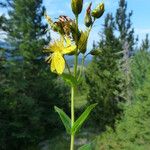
(145, 43)
(104, 77)
(133, 128)
(27, 101)
(124, 25)
(127, 40)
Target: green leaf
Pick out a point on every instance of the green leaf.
(106, 73)
(71, 80)
(78, 123)
(65, 119)
(86, 147)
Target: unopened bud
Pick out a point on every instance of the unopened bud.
(98, 11)
(82, 43)
(49, 20)
(95, 52)
(76, 6)
(88, 18)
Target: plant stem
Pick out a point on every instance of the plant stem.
(72, 117)
(68, 67)
(76, 54)
(73, 88)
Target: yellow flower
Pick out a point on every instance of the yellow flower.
(59, 48)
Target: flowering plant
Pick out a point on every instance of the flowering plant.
(72, 41)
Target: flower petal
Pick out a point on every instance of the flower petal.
(52, 64)
(69, 49)
(57, 63)
(68, 41)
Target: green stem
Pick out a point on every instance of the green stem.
(73, 88)
(76, 54)
(84, 56)
(75, 65)
(68, 67)
(72, 117)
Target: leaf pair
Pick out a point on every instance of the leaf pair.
(78, 123)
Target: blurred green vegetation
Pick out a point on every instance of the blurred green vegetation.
(132, 131)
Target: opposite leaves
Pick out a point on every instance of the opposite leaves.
(65, 119)
(79, 122)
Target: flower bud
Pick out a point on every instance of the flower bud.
(76, 6)
(95, 52)
(88, 18)
(82, 43)
(98, 11)
(49, 20)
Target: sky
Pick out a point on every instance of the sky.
(140, 18)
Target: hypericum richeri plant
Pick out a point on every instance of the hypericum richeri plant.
(72, 41)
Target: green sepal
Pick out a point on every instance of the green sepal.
(64, 118)
(79, 122)
(69, 79)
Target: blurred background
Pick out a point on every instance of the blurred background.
(118, 78)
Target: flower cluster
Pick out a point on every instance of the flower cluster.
(72, 40)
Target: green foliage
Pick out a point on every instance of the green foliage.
(109, 74)
(145, 43)
(27, 90)
(124, 25)
(133, 130)
(140, 69)
(85, 147)
(104, 77)
(127, 40)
